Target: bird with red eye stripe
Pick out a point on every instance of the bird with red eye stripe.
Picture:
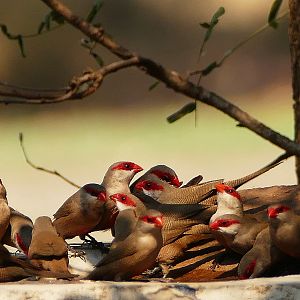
(261, 257)
(228, 202)
(81, 212)
(116, 180)
(284, 223)
(238, 233)
(133, 255)
(162, 172)
(168, 194)
(130, 207)
(19, 231)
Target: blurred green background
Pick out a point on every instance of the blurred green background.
(123, 120)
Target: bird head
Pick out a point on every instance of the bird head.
(277, 211)
(166, 174)
(153, 218)
(149, 188)
(95, 190)
(225, 225)
(227, 190)
(123, 201)
(249, 270)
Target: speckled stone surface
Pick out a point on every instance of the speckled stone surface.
(287, 287)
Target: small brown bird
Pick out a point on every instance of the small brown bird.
(133, 255)
(116, 180)
(237, 233)
(4, 211)
(13, 268)
(228, 202)
(48, 250)
(284, 225)
(261, 257)
(130, 207)
(204, 192)
(19, 231)
(162, 172)
(80, 213)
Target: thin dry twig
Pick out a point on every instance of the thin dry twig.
(54, 172)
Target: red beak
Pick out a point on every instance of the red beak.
(213, 226)
(102, 196)
(140, 185)
(220, 187)
(114, 197)
(272, 213)
(137, 168)
(176, 182)
(159, 222)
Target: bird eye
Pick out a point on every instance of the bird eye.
(166, 178)
(126, 166)
(123, 198)
(230, 191)
(148, 184)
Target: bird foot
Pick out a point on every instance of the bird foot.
(153, 272)
(214, 265)
(76, 253)
(94, 243)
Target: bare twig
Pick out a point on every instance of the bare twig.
(21, 138)
(79, 87)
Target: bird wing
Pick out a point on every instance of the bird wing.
(121, 249)
(66, 209)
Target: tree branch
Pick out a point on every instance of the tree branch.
(79, 87)
(21, 138)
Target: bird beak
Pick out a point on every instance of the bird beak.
(139, 185)
(176, 182)
(272, 213)
(137, 168)
(102, 196)
(159, 222)
(213, 226)
(114, 197)
(220, 187)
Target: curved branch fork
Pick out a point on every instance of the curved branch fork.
(171, 79)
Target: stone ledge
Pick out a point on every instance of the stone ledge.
(286, 287)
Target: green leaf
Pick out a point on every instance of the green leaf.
(41, 27)
(214, 21)
(205, 25)
(95, 9)
(153, 85)
(209, 68)
(98, 59)
(17, 37)
(21, 45)
(273, 13)
(56, 17)
(188, 108)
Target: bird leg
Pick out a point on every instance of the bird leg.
(76, 253)
(92, 241)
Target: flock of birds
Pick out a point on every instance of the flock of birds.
(153, 221)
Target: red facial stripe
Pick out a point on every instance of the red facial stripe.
(157, 221)
(167, 177)
(221, 188)
(123, 199)
(148, 186)
(273, 212)
(102, 196)
(21, 244)
(128, 166)
(222, 223)
(249, 270)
